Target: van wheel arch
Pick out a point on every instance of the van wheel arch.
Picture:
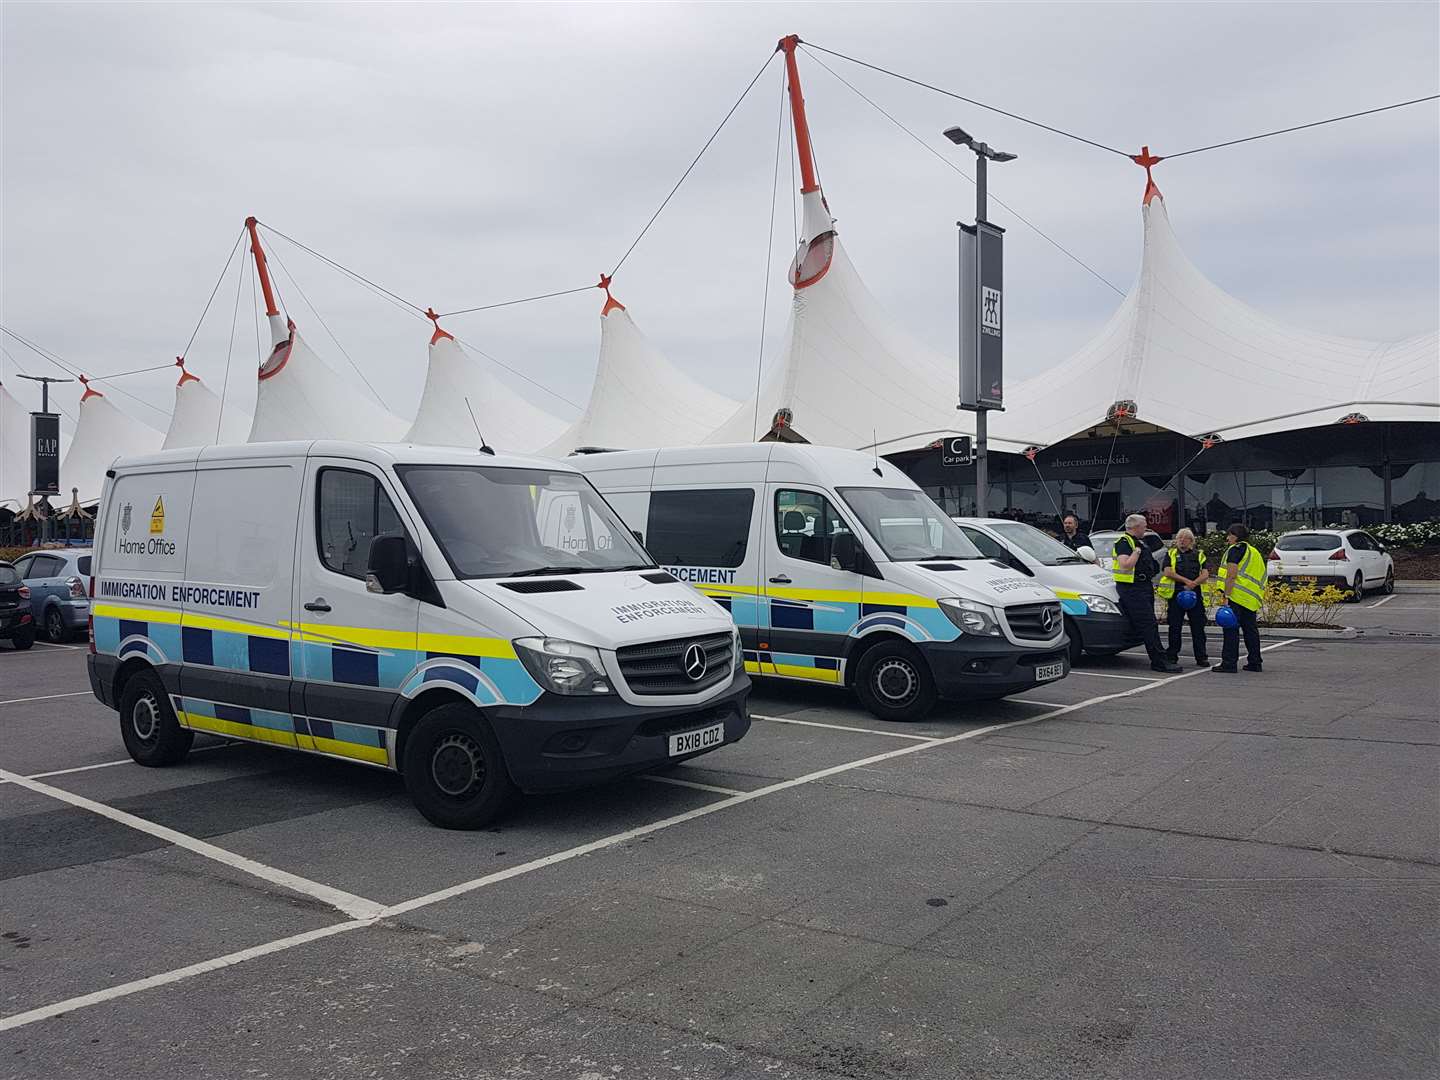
(417, 707)
(127, 671)
(864, 645)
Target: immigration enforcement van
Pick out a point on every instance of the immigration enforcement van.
(1094, 623)
(477, 623)
(839, 570)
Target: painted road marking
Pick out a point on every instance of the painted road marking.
(1032, 701)
(112, 764)
(843, 727)
(677, 782)
(1106, 675)
(357, 907)
(46, 697)
(1386, 600)
(52, 645)
(166, 978)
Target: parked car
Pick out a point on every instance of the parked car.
(1104, 545)
(16, 622)
(1350, 559)
(59, 582)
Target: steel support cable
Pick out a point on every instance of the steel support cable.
(689, 169)
(769, 251)
(993, 197)
(967, 100)
(1045, 485)
(45, 354)
(361, 278)
(224, 270)
(1303, 127)
(132, 371)
(229, 350)
(520, 374)
(521, 300)
(17, 366)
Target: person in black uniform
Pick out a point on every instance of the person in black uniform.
(1134, 571)
(1183, 567)
(1072, 537)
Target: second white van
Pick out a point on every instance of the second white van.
(838, 569)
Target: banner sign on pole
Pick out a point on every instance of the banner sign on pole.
(44, 453)
(956, 450)
(982, 324)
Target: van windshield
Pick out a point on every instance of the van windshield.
(1044, 549)
(492, 521)
(907, 524)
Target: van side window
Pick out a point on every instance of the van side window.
(988, 546)
(352, 510)
(700, 528)
(806, 525)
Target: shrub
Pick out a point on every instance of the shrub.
(10, 554)
(1422, 534)
(1301, 605)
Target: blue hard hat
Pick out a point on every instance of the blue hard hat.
(1226, 618)
(1187, 599)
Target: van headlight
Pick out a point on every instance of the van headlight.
(739, 655)
(970, 617)
(1103, 604)
(564, 667)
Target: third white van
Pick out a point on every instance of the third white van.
(838, 569)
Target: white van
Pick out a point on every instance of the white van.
(477, 623)
(838, 569)
(1094, 623)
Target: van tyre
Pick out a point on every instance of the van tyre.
(894, 682)
(148, 725)
(1077, 644)
(454, 769)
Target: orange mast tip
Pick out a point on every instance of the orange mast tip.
(251, 224)
(611, 304)
(185, 376)
(808, 183)
(1147, 161)
(434, 318)
(89, 390)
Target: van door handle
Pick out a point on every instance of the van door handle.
(318, 604)
(779, 579)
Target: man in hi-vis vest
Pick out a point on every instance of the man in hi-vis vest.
(1134, 572)
(1242, 582)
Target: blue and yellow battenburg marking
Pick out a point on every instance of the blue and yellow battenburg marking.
(826, 669)
(1071, 602)
(485, 668)
(357, 742)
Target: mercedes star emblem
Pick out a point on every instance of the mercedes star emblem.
(1047, 619)
(694, 663)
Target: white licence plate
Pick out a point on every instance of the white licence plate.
(687, 742)
(1046, 672)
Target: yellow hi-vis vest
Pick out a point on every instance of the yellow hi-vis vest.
(1249, 587)
(1123, 577)
(1165, 587)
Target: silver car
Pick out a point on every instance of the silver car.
(59, 582)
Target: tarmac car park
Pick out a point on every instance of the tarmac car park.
(1116, 875)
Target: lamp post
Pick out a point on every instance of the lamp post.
(984, 154)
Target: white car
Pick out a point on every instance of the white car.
(1349, 559)
(1103, 544)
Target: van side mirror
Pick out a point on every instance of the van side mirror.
(639, 537)
(1086, 552)
(389, 569)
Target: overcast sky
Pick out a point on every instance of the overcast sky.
(467, 154)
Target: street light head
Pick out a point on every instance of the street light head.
(1001, 155)
(958, 136)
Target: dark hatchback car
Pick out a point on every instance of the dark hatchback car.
(16, 623)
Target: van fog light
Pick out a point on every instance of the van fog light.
(978, 667)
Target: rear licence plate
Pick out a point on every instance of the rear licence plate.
(1304, 579)
(1046, 672)
(687, 742)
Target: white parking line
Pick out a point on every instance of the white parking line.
(53, 645)
(45, 697)
(843, 727)
(1386, 600)
(1032, 701)
(677, 782)
(112, 764)
(45, 1012)
(1107, 675)
(357, 907)
(71, 1004)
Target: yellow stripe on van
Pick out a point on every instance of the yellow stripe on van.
(235, 626)
(853, 596)
(138, 614)
(795, 671)
(376, 755)
(237, 730)
(374, 638)
(459, 644)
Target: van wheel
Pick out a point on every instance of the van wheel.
(1077, 645)
(894, 683)
(454, 769)
(148, 725)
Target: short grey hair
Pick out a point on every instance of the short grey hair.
(1136, 519)
(1184, 533)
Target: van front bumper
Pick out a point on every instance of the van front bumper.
(974, 670)
(559, 743)
(1105, 633)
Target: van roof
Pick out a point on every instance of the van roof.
(833, 464)
(377, 453)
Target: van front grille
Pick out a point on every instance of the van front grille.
(1028, 621)
(658, 667)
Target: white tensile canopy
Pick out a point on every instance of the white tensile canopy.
(198, 420)
(462, 394)
(14, 451)
(638, 397)
(1182, 354)
(102, 434)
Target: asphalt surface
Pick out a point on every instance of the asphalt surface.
(1209, 876)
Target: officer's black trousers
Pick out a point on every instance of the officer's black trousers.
(1230, 646)
(1177, 616)
(1137, 601)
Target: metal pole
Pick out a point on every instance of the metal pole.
(981, 471)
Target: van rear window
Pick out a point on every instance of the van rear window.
(700, 528)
